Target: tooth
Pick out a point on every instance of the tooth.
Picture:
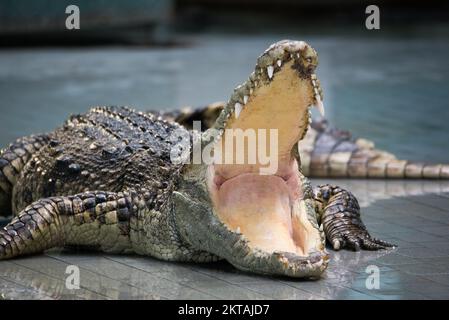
(297, 55)
(251, 91)
(279, 62)
(321, 227)
(319, 104)
(237, 230)
(270, 71)
(245, 99)
(237, 109)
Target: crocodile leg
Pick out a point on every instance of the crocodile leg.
(339, 213)
(98, 219)
(12, 161)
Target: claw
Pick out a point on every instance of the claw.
(354, 243)
(384, 243)
(336, 244)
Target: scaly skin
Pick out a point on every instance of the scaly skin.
(105, 180)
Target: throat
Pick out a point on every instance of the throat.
(260, 208)
(266, 209)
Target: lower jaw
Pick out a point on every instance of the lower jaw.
(268, 211)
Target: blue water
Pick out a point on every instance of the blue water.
(392, 90)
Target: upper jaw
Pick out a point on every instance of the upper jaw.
(276, 57)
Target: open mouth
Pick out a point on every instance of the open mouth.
(271, 209)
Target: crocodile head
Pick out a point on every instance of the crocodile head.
(258, 214)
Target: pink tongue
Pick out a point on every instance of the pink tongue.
(258, 205)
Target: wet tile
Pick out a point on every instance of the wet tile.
(442, 279)
(277, 290)
(147, 283)
(49, 285)
(441, 230)
(350, 294)
(421, 269)
(318, 288)
(416, 236)
(423, 253)
(11, 290)
(224, 290)
(434, 201)
(396, 259)
(94, 280)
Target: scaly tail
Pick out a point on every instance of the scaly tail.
(329, 152)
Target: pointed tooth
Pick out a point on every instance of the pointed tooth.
(270, 70)
(321, 227)
(245, 99)
(237, 230)
(237, 109)
(319, 104)
(279, 63)
(251, 91)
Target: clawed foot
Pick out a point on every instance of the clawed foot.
(356, 240)
(341, 220)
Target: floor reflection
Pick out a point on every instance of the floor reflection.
(369, 191)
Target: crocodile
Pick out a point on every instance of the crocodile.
(108, 180)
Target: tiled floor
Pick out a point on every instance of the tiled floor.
(403, 212)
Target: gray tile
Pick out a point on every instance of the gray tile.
(319, 288)
(49, 284)
(416, 236)
(396, 259)
(224, 290)
(149, 285)
(350, 294)
(441, 230)
(423, 252)
(393, 292)
(434, 201)
(12, 290)
(438, 261)
(92, 280)
(442, 279)
(421, 269)
(277, 290)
